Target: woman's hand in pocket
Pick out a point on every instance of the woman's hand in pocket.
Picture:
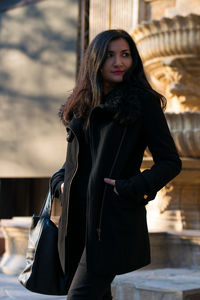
(111, 182)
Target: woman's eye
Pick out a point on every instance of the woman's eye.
(109, 55)
(125, 54)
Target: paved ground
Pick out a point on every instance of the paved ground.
(169, 284)
(10, 288)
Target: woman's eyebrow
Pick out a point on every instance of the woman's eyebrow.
(124, 50)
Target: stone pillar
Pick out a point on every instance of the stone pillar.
(15, 232)
(111, 14)
(170, 49)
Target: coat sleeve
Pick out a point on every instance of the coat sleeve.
(55, 182)
(167, 163)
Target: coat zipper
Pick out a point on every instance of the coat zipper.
(110, 174)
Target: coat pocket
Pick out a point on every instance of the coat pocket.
(133, 202)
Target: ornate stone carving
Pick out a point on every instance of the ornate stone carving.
(166, 37)
(177, 205)
(170, 49)
(185, 128)
(164, 202)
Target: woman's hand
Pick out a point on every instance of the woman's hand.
(111, 182)
(62, 187)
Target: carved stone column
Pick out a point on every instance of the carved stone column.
(170, 49)
(110, 14)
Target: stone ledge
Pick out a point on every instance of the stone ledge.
(168, 284)
(16, 222)
(175, 249)
(186, 233)
(187, 163)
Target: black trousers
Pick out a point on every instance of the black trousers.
(88, 286)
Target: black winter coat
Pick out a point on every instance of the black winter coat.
(117, 238)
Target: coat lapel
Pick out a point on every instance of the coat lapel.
(74, 129)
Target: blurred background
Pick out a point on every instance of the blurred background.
(38, 58)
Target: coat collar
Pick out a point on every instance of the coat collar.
(124, 104)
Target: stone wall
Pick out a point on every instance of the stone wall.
(38, 66)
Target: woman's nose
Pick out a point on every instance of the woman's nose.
(117, 60)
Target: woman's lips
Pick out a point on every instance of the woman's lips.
(118, 72)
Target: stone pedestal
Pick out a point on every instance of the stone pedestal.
(175, 249)
(167, 284)
(15, 232)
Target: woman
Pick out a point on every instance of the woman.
(111, 117)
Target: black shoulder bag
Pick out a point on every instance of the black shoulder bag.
(43, 273)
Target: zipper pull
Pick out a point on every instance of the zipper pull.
(99, 233)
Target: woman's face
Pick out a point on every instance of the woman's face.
(118, 61)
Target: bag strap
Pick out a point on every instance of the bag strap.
(46, 209)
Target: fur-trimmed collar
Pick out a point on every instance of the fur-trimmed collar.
(123, 104)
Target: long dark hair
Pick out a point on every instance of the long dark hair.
(88, 90)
